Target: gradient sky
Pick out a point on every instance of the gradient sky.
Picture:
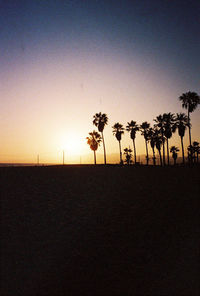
(63, 61)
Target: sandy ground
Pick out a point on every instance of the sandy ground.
(85, 230)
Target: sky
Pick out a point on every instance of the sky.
(62, 61)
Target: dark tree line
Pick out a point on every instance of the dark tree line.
(157, 136)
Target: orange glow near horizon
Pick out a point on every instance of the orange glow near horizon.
(49, 107)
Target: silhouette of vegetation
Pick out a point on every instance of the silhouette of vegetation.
(158, 142)
(100, 120)
(169, 121)
(152, 137)
(94, 142)
(174, 150)
(196, 149)
(118, 131)
(132, 127)
(181, 122)
(144, 128)
(160, 124)
(128, 156)
(190, 101)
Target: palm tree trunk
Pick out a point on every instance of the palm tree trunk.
(163, 141)
(120, 152)
(182, 150)
(147, 157)
(190, 155)
(154, 157)
(167, 152)
(190, 137)
(160, 157)
(104, 148)
(134, 150)
(174, 161)
(95, 157)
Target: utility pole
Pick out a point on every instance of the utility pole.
(63, 157)
(38, 159)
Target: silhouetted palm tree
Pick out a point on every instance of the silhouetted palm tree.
(190, 101)
(132, 127)
(169, 122)
(174, 150)
(144, 128)
(196, 148)
(118, 131)
(94, 141)
(128, 155)
(181, 124)
(158, 141)
(100, 120)
(152, 143)
(160, 124)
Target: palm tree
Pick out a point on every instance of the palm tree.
(152, 143)
(190, 101)
(169, 121)
(128, 155)
(100, 120)
(181, 122)
(196, 150)
(174, 150)
(118, 131)
(144, 128)
(158, 141)
(94, 142)
(132, 127)
(160, 124)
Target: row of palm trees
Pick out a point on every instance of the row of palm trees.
(157, 136)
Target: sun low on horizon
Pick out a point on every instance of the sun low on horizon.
(65, 61)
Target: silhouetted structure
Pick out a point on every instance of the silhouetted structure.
(181, 124)
(118, 131)
(144, 128)
(94, 141)
(100, 120)
(132, 127)
(174, 150)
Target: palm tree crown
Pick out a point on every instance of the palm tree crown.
(100, 120)
(118, 131)
(190, 101)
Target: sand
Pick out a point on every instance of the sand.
(86, 230)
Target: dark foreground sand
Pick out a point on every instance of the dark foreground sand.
(99, 231)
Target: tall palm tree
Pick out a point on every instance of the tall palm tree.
(160, 124)
(118, 131)
(174, 150)
(152, 143)
(132, 127)
(128, 155)
(94, 142)
(158, 141)
(100, 120)
(181, 122)
(169, 121)
(190, 101)
(144, 128)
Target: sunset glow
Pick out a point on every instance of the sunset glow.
(63, 62)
